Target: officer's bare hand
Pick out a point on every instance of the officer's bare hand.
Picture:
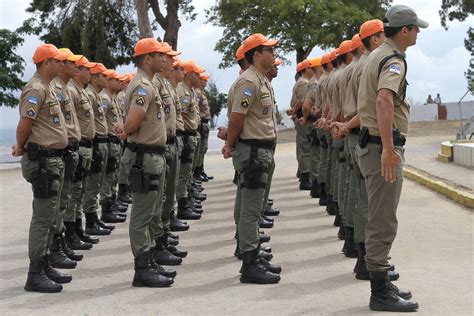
(290, 112)
(120, 133)
(303, 121)
(17, 151)
(222, 133)
(227, 152)
(389, 161)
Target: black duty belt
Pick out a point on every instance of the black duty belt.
(266, 144)
(73, 145)
(314, 118)
(378, 140)
(204, 120)
(41, 151)
(100, 139)
(179, 133)
(355, 131)
(114, 139)
(189, 133)
(85, 143)
(151, 149)
(170, 140)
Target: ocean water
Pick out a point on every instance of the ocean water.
(7, 140)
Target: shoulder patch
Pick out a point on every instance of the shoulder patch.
(31, 112)
(105, 104)
(140, 100)
(33, 100)
(185, 99)
(141, 91)
(245, 103)
(394, 68)
(248, 92)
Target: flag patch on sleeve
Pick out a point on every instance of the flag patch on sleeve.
(33, 100)
(248, 92)
(394, 68)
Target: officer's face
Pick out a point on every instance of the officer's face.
(54, 66)
(178, 74)
(83, 75)
(267, 57)
(411, 35)
(69, 68)
(101, 81)
(114, 85)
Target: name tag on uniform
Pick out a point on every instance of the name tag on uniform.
(264, 95)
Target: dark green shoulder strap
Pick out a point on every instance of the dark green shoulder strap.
(387, 58)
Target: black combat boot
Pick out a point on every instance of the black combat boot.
(53, 274)
(109, 214)
(363, 274)
(58, 258)
(177, 226)
(350, 250)
(337, 220)
(93, 227)
(270, 211)
(384, 296)
(83, 235)
(197, 174)
(265, 255)
(146, 276)
(253, 270)
(271, 267)
(37, 280)
(323, 199)
(124, 194)
(263, 238)
(71, 254)
(315, 189)
(185, 212)
(199, 196)
(162, 255)
(171, 247)
(72, 239)
(268, 218)
(170, 273)
(264, 223)
(341, 234)
(305, 182)
(205, 175)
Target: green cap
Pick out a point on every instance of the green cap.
(401, 15)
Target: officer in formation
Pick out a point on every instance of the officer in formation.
(361, 122)
(82, 129)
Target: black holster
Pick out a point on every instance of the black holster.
(363, 137)
(42, 181)
(97, 159)
(112, 164)
(252, 171)
(187, 154)
(139, 180)
(69, 167)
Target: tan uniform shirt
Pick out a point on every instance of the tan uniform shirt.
(204, 110)
(343, 84)
(189, 107)
(253, 97)
(350, 105)
(321, 84)
(327, 95)
(99, 114)
(142, 94)
(69, 112)
(168, 105)
(178, 106)
(334, 85)
(84, 111)
(299, 90)
(121, 102)
(391, 78)
(112, 111)
(230, 97)
(39, 103)
(312, 92)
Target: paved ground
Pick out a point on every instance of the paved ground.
(433, 253)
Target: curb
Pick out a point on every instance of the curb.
(459, 196)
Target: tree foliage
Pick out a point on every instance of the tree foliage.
(216, 99)
(299, 25)
(11, 67)
(460, 10)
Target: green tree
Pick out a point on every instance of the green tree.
(299, 25)
(459, 10)
(217, 100)
(11, 68)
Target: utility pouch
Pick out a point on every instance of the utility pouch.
(96, 164)
(111, 164)
(79, 172)
(186, 154)
(69, 167)
(33, 151)
(363, 137)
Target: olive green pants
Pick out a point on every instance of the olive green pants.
(329, 163)
(94, 181)
(122, 177)
(77, 191)
(66, 213)
(353, 183)
(203, 145)
(195, 157)
(249, 200)
(383, 196)
(186, 166)
(268, 187)
(145, 217)
(111, 169)
(342, 179)
(171, 156)
(303, 147)
(323, 161)
(361, 211)
(45, 210)
(315, 152)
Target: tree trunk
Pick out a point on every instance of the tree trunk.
(302, 53)
(172, 24)
(143, 21)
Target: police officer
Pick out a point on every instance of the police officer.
(41, 140)
(145, 163)
(61, 255)
(76, 237)
(304, 74)
(251, 139)
(112, 112)
(384, 116)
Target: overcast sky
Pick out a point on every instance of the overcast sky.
(435, 65)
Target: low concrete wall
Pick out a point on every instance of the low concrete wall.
(429, 112)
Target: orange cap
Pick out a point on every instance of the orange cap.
(146, 46)
(356, 42)
(84, 62)
(303, 65)
(334, 54)
(45, 51)
(177, 62)
(239, 54)
(345, 47)
(326, 58)
(112, 74)
(167, 49)
(203, 76)
(98, 69)
(370, 27)
(255, 40)
(191, 66)
(70, 56)
(316, 61)
(277, 62)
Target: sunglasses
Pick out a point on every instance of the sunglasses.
(268, 49)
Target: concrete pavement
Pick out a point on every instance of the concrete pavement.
(433, 253)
